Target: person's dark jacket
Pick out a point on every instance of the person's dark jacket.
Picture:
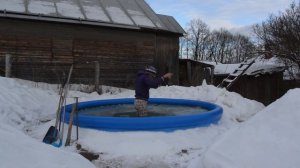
(144, 81)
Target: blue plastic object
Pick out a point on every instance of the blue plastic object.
(160, 123)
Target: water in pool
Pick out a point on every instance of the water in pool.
(128, 110)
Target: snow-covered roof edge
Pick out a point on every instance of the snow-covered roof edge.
(260, 67)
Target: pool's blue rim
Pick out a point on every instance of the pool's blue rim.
(163, 123)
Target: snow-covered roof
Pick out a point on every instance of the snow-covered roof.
(135, 14)
(261, 66)
(208, 63)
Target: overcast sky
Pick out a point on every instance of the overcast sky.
(220, 13)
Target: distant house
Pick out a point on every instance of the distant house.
(193, 73)
(262, 82)
(116, 38)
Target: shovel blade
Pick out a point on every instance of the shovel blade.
(51, 135)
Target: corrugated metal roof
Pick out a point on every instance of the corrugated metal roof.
(116, 13)
(171, 23)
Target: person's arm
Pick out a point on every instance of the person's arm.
(167, 76)
(153, 82)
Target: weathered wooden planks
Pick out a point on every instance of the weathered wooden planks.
(43, 51)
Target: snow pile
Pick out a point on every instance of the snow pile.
(19, 150)
(269, 139)
(22, 105)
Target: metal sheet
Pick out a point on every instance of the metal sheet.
(151, 14)
(171, 24)
(166, 22)
(136, 13)
(117, 13)
(175, 25)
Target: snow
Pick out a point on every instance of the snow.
(136, 13)
(248, 134)
(118, 15)
(269, 139)
(68, 8)
(140, 19)
(95, 13)
(41, 7)
(151, 14)
(12, 5)
(225, 68)
(20, 150)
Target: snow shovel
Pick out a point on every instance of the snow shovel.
(52, 134)
(58, 142)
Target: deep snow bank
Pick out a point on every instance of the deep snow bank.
(19, 150)
(22, 105)
(269, 139)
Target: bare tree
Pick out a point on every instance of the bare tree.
(243, 48)
(185, 46)
(219, 46)
(224, 47)
(280, 35)
(181, 47)
(198, 32)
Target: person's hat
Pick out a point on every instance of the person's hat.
(151, 69)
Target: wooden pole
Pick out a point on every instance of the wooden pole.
(8, 65)
(97, 76)
(77, 122)
(74, 108)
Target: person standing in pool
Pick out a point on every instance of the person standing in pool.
(146, 79)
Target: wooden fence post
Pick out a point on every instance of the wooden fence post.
(8, 65)
(97, 76)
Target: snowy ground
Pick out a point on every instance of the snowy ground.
(248, 135)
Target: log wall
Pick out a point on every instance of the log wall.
(265, 88)
(44, 51)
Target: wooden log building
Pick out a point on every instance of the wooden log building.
(193, 73)
(42, 38)
(263, 83)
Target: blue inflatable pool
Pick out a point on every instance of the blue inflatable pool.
(160, 123)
